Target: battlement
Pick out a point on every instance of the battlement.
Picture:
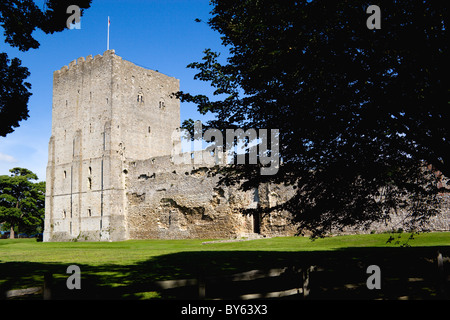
(89, 60)
(98, 61)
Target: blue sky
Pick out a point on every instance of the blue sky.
(157, 34)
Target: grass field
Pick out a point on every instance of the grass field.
(107, 266)
(126, 252)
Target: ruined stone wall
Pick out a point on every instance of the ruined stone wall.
(179, 201)
(169, 200)
(400, 221)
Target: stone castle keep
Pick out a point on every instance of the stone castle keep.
(111, 174)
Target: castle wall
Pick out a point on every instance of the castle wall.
(105, 109)
(167, 200)
(401, 219)
(80, 149)
(144, 112)
(114, 172)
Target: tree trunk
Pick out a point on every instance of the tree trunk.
(11, 233)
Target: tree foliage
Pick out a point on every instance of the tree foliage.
(22, 201)
(19, 19)
(363, 114)
(14, 94)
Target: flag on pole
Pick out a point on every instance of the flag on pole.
(109, 23)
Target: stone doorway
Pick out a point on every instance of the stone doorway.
(257, 223)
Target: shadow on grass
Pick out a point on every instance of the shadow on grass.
(406, 273)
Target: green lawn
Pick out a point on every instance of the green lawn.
(126, 252)
(107, 266)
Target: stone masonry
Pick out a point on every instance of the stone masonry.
(112, 174)
(105, 110)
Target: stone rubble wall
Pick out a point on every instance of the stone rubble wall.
(115, 169)
(182, 201)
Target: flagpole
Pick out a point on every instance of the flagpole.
(108, 35)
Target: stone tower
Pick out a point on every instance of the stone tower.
(106, 111)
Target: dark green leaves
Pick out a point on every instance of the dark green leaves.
(14, 94)
(19, 19)
(22, 201)
(360, 111)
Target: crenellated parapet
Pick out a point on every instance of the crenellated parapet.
(88, 62)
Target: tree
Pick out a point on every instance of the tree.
(19, 18)
(363, 114)
(14, 94)
(22, 201)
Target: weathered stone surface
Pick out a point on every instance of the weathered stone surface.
(114, 172)
(105, 110)
(172, 201)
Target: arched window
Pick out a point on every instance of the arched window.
(140, 97)
(161, 104)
